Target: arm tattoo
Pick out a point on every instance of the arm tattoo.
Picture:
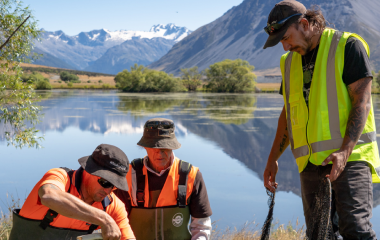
(284, 138)
(282, 144)
(360, 96)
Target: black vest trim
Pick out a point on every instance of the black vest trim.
(183, 171)
(138, 165)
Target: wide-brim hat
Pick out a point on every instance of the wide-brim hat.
(281, 11)
(108, 162)
(159, 133)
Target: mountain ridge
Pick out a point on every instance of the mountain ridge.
(239, 34)
(85, 48)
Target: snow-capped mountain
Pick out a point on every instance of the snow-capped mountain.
(83, 49)
(239, 34)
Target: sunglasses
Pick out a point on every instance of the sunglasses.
(104, 183)
(277, 25)
(159, 125)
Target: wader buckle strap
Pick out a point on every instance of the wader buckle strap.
(92, 228)
(138, 165)
(183, 171)
(49, 218)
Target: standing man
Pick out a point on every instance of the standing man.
(328, 116)
(65, 204)
(164, 191)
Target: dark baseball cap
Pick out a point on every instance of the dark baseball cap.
(159, 133)
(108, 162)
(285, 12)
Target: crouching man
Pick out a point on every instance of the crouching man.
(164, 191)
(65, 203)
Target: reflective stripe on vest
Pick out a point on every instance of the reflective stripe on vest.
(331, 101)
(303, 150)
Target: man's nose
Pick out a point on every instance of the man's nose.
(286, 46)
(108, 190)
(162, 153)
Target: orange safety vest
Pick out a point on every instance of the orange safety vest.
(169, 193)
(170, 215)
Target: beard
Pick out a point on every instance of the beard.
(307, 46)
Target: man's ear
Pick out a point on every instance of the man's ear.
(304, 24)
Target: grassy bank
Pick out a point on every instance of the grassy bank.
(249, 231)
(279, 232)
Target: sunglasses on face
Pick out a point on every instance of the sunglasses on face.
(277, 25)
(104, 183)
(159, 125)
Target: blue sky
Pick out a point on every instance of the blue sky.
(75, 16)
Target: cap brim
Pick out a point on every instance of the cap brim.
(113, 177)
(163, 143)
(276, 37)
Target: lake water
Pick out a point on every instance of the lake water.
(228, 136)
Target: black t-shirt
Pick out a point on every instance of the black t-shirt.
(356, 65)
(198, 201)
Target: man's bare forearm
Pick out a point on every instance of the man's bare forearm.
(70, 206)
(360, 95)
(281, 141)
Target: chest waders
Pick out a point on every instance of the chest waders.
(169, 222)
(31, 229)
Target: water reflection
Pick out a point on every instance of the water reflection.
(243, 126)
(229, 109)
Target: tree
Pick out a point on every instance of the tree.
(68, 77)
(43, 84)
(191, 78)
(17, 99)
(142, 79)
(231, 76)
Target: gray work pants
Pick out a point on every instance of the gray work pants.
(353, 197)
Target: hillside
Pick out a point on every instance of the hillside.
(88, 79)
(239, 34)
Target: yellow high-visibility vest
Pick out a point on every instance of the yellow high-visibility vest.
(317, 132)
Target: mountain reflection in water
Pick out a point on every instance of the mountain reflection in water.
(242, 125)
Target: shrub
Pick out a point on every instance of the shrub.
(75, 81)
(92, 86)
(88, 81)
(85, 87)
(69, 84)
(32, 78)
(43, 84)
(68, 77)
(100, 81)
(59, 81)
(106, 86)
(142, 79)
(231, 76)
(191, 78)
